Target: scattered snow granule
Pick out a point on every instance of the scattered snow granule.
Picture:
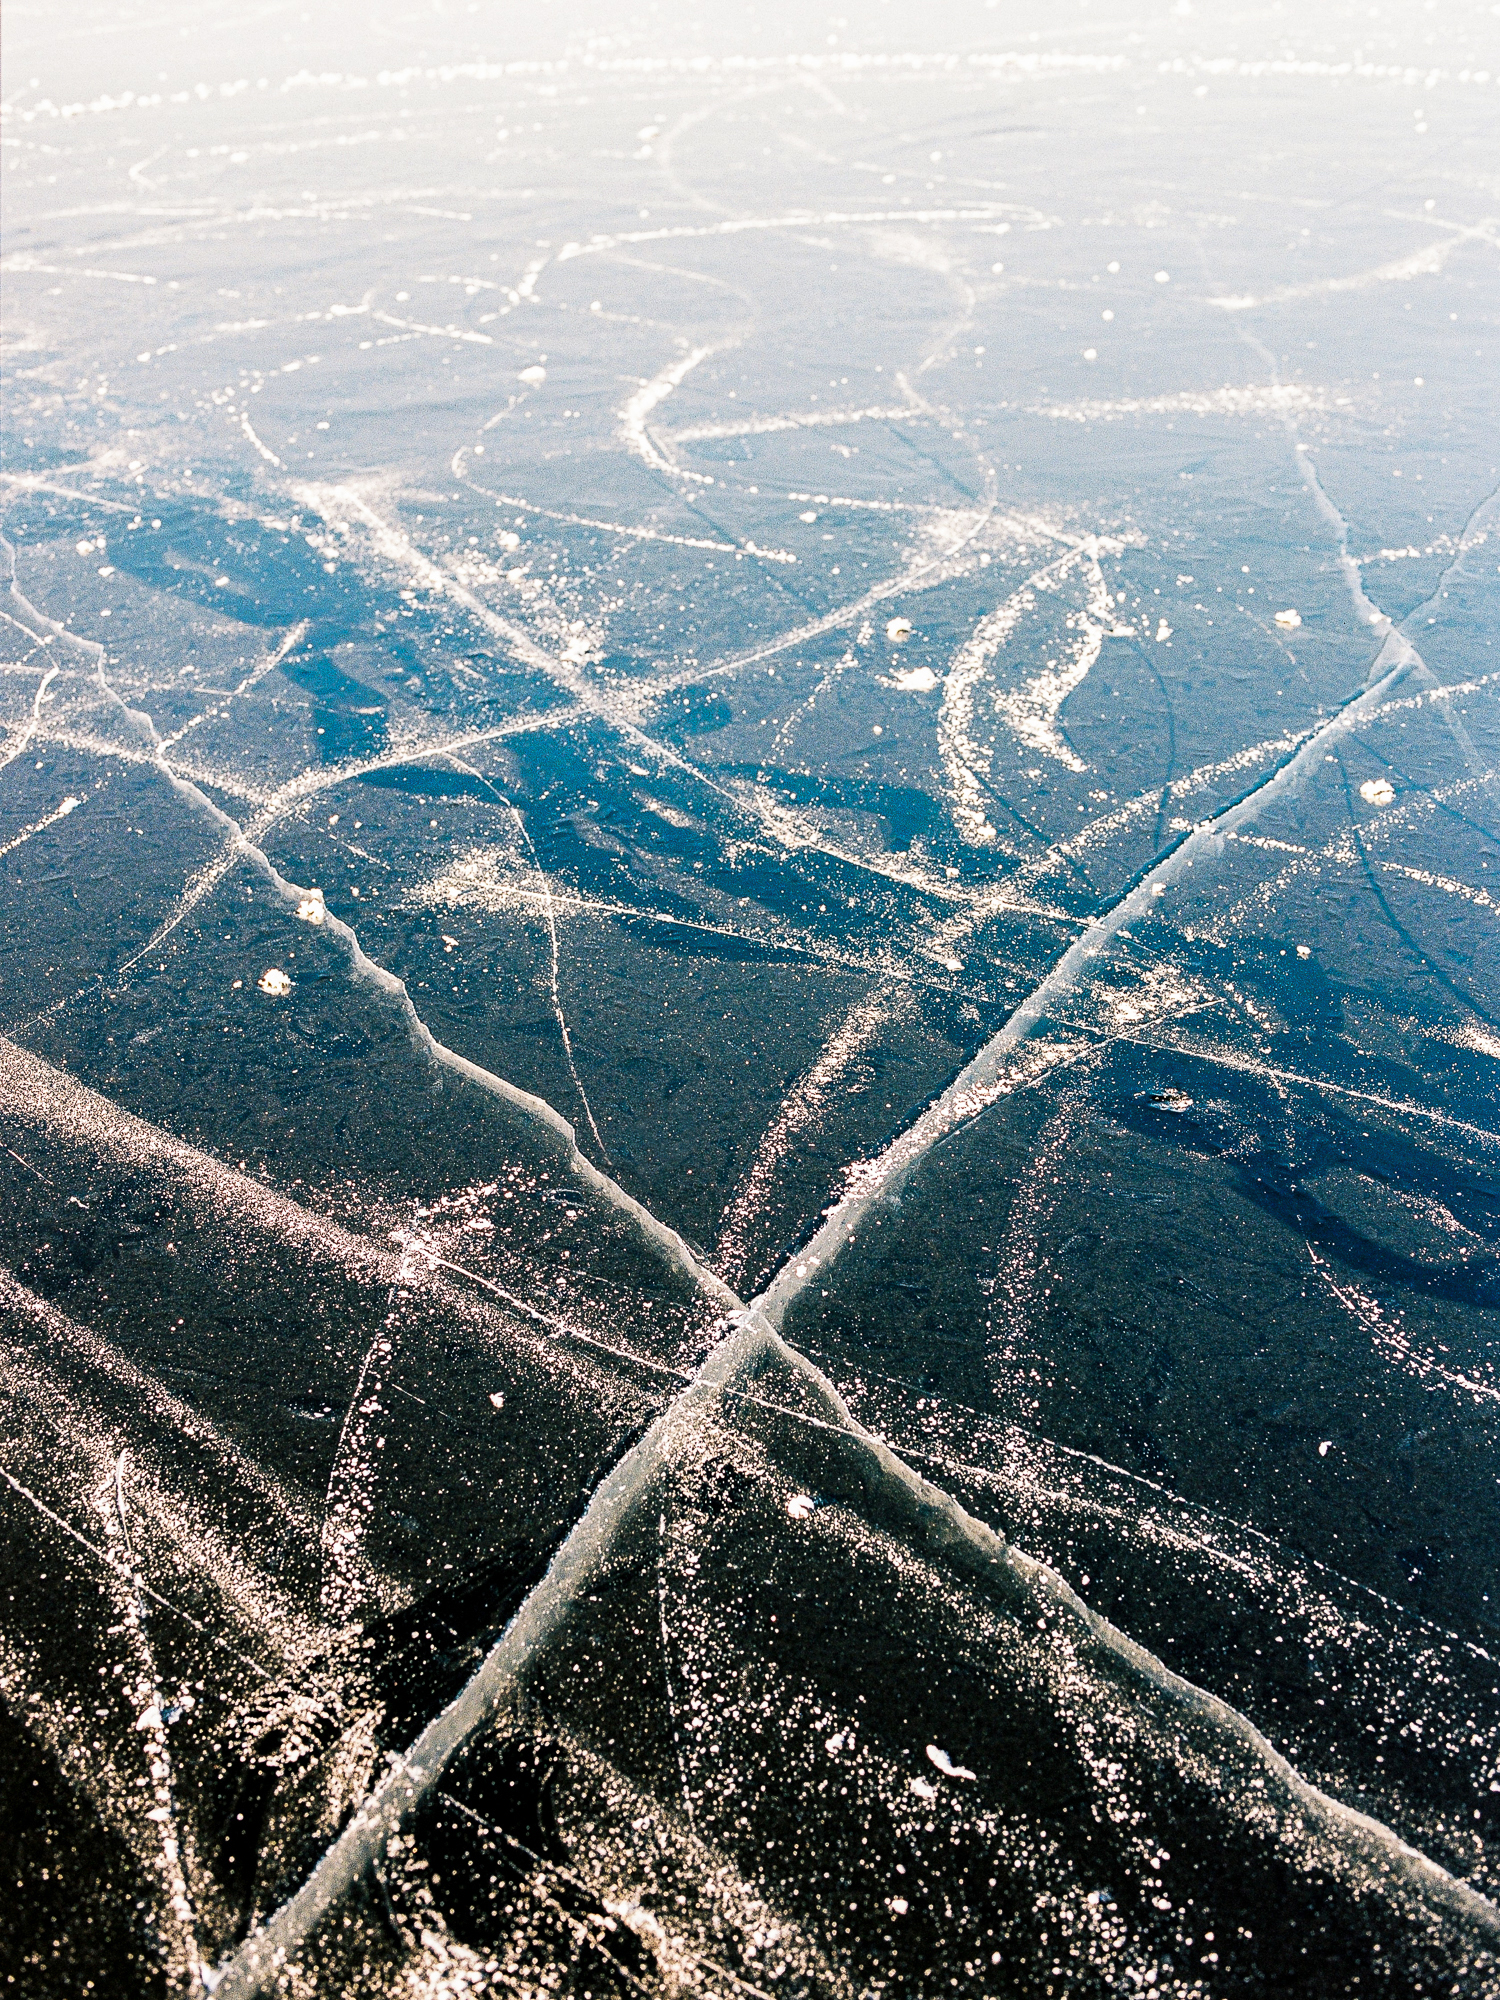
(1377, 791)
(275, 982)
(1163, 631)
(898, 629)
(1304, 951)
(311, 909)
(533, 375)
(1325, 1447)
(801, 1505)
(945, 1764)
(898, 1906)
(917, 680)
(922, 1789)
(1289, 618)
(497, 1398)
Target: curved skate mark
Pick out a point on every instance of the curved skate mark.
(23, 741)
(1032, 712)
(1401, 1107)
(1422, 263)
(633, 417)
(1389, 1340)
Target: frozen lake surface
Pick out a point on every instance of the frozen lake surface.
(749, 1015)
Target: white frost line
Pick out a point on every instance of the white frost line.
(624, 528)
(59, 1333)
(294, 637)
(808, 1097)
(1033, 709)
(1419, 264)
(264, 449)
(1253, 400)
(470, 884)
(349, 1588)
(633, 417)
(793, 421)
(156, 1752)
(592, 695)
(795, 219)
(69, 804)
(109, 1562)
(1387, 1338)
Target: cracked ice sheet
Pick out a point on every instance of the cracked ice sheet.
(356, 482)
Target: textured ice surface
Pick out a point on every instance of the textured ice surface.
(748, 1002)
